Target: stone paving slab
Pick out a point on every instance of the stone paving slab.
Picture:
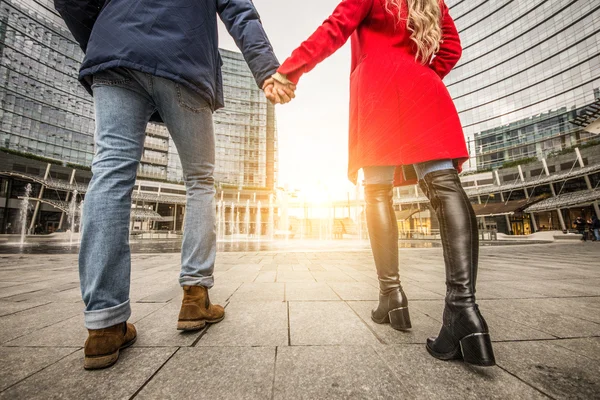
(67, 379)
(327, 323)
(356, 372)
(19, 363)
(551, 368)
(71, 332)
(259, 291)
(426, 378)
(9, 307)
(215, 373)
(250, 324)
(309, 291)
(298, 326)
(423, 325)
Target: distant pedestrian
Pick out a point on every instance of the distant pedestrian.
(596, 228)
(580, 226)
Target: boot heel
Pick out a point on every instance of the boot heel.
(477, 349)
(400, 319)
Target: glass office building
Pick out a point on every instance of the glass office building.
(44, 111)
(528, 70)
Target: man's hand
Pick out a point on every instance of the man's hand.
(278, 93)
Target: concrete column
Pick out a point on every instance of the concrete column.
(38, 203)
(588, 183)
(62, 215)
(522, 177)
(174, 217)
(597, 209)
(561, 219)
(477, 188)
(531, 215)
(558, 210)
(508, 224)
(183, 219)
(579, 158)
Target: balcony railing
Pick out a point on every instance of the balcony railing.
(153, 175)
(155, 161)
(156, 146)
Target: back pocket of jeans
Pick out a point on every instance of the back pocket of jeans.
(189, 99)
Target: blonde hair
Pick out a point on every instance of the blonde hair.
(424, 23)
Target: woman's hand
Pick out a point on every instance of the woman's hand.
(277, 92)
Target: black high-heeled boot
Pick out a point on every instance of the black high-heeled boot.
(464, 333)
(383, 234)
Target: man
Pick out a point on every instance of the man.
(580, 226)
(595, 225)
(153, 60)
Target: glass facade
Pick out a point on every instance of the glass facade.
(45, 111)
(528, 68)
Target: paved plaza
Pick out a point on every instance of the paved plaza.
(298, 326)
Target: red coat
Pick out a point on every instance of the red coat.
(400, 110)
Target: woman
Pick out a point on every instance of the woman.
(401, 114)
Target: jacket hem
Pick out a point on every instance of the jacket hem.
(87, 72)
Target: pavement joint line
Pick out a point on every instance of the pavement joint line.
(336, 293)
(274, 373)
(205, 329)
(9, 346)
(392, 370)
(154, 374)
(7, 298)
(367, 325)
(151, 312)
(25, 309)
(41, 369)
(288, 324)
(535, 327)
(232, 294)
(525, 382)
(38, 329)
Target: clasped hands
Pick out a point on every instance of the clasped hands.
(278, 90)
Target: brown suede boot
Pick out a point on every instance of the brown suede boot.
(103, 345)
(196, 310)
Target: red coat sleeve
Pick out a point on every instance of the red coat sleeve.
(328, 38)
(450, 48)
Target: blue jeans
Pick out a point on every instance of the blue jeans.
(124, 101)
(385, 175)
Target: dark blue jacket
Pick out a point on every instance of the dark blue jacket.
(174, 39)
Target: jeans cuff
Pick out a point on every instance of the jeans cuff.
(206, 281)
(100, 319)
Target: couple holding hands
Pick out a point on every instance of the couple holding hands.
(155, 60)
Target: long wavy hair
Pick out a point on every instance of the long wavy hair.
(424, 23)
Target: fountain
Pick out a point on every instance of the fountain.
(80, 212)
(237, 222)
(258, 229)
(232, 220)
(219, 210)
(23, 213)
(271, 222)
(71, 215)
(247, 219)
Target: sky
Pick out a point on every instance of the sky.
(313, 128)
